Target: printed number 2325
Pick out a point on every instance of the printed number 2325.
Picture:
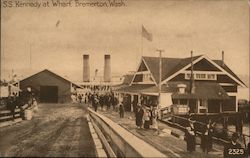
(235, 151)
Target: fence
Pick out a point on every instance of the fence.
(220, 134)
(6, 116)
(122, 142)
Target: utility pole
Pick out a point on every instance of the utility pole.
(30, 58)
(159, 84)
(192, 86)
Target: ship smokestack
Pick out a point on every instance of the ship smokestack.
(86, 68)
(107, 68)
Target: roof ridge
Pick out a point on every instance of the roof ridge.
(172, 57)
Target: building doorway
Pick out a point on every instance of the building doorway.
(192, 106)
(48, 94)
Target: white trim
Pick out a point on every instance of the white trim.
(150, 94)
(142, 72)
(236, 104)
(204, 72)
(232, 93)
(148, 82)
(181, 70)
(142, 60)
(224, 71)
(226, 84)
(137, 69)
(149, 71)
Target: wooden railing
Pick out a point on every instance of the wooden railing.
(182, 122)
(6, 116)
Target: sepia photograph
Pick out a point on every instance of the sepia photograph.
(125, 78)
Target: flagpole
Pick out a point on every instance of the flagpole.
(141, 44)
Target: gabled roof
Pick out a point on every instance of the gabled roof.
(50, 72)
(128, 79)
(226, 68)
(170, 66)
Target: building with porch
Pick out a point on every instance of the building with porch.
(214, 85)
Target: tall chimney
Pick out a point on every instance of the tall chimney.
(86, 68)
(107, 68)
(222, 53)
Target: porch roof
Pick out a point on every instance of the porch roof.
(203, 90)
(144, 88)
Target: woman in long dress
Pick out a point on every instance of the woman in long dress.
(147, 119)
(139, 116)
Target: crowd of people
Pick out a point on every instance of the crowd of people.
(108, 100)
(146, 118)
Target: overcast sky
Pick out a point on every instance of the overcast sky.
(58, 37)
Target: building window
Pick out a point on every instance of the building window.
(187, 75)
(175, 101)
(147, 78)
(183, 101)
(211, 76)
(201, 76)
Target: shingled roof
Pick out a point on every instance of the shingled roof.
(203, 90)
(173, 65)
(169, 65)
(226, 68)
(128, 79)
(53, 74)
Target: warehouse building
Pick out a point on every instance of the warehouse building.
(49, 87)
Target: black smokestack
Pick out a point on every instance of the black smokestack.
(107, 68)
(86, 68)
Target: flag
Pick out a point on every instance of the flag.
(146, 34)
(96, 70)
(57, 23)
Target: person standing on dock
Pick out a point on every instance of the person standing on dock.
(146, 117)
(101, 101)
(121, 110)
(206, 139)
(95, 102)
(139, 116)
(134, 104)
(190, 137)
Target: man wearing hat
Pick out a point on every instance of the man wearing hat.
(139, 116)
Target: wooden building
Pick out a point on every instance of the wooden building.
(49, 87)
(215, 84)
